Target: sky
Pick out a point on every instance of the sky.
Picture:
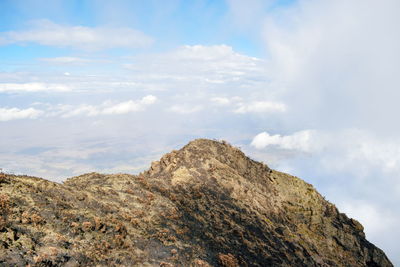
(309, 87)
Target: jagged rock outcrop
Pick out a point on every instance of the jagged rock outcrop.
(204, 205)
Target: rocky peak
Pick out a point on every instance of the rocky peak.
(201, 158)
(206, 204)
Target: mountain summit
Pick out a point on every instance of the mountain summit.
(204, 205)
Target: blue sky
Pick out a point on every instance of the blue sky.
(176, 23)
(309, 87)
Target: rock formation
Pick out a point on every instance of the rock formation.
(204, 205)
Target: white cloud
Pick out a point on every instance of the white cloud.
(350, 150)
(243, 107)
(33, 87)
(8, 114)
(107, 108)
(260, 107)
(373, 218)
(301, 141)
(87, 110)
(222, 101)
(148, 100)
(207, 53)
(205, 65)
(202, 70)
(373, 152)
(123, 108)
(337, 73)
(45, 32)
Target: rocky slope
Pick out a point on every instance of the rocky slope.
(204, 205)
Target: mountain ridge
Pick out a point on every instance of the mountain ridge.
(206, 204)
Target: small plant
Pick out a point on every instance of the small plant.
(4, 210)
(3, 177)
(130, 191)
(4, 204)
(37, 219)
(86, 226)
(3, 223)
(166, 264)
(228, 260)
(119, 241)
(34, 218)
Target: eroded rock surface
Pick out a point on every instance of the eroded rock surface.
(204, 205)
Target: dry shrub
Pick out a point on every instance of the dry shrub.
(46, 257)
(150, 196)
(4, 210)
(200, 263)
(3, 223)
(3, 177)
(182, 231)
(143, 182)
(4, 204)
(228, 260)
(74, 225)
(86, 226)
(32, 218)
(165, 235)
(119, 240)
(138, 213)
(166, 264)
(37, 219)
(130, 191)
(120, 228)
(103, 246)
(99, 225)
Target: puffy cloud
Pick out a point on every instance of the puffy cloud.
(45, 32)
(301, 141)
(8, 114)
(148, 100)
(123, 108)
(33, 87)
(340, 150)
